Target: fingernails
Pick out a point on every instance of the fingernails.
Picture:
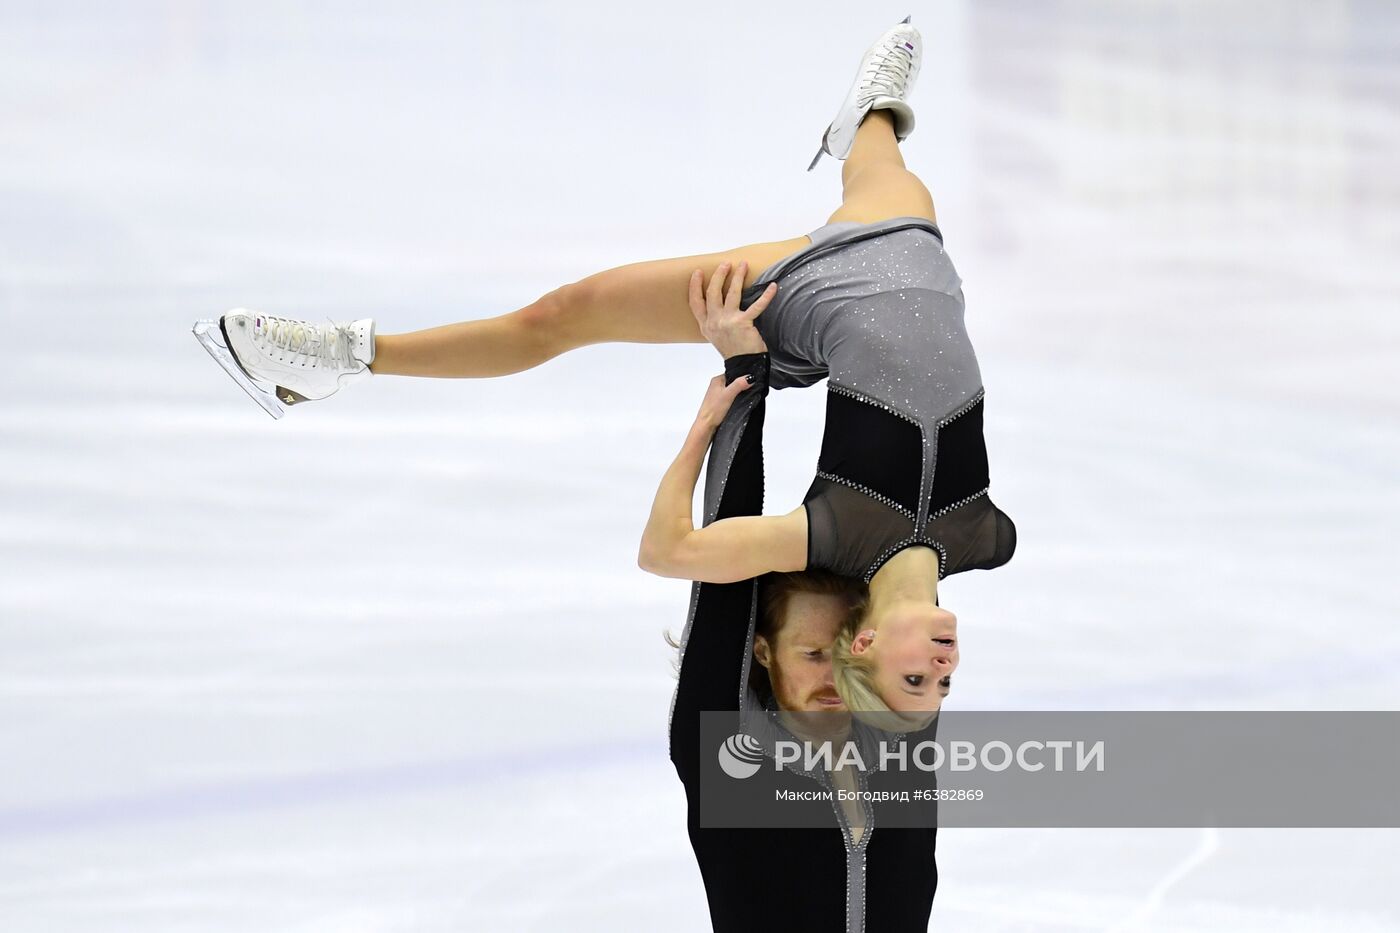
(749, 377)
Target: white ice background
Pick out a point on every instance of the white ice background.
(389, 665)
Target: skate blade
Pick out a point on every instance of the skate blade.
(817, 158)
(211, 337)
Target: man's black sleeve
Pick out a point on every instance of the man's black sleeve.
(714, 660)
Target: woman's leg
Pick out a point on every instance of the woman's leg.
(643, 302)
(875, 183)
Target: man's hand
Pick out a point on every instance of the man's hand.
(730, 330)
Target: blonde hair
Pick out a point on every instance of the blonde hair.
(854, 678)
(854, 674)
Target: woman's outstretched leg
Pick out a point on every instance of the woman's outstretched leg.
(645, 302)
(283, 361)
(642, 302)
(875, 183)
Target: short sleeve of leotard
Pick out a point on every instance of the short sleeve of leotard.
(847, 529)
(852, 534)
(974, 536)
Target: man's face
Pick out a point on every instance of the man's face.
(798, 657)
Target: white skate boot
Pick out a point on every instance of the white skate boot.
(280, 362)
(883, 82)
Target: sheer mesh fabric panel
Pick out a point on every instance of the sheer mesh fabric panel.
(846, 528)
(976, 536)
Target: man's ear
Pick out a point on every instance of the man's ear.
(861, 643)
(762, 651)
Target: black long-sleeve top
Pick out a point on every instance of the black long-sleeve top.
(763, 879)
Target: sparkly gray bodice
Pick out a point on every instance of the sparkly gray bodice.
(878, 308)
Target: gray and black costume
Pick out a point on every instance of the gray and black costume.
(878, 310)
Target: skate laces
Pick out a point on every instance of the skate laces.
(329, 342)
(888, 75)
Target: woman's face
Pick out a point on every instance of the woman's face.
(915, 649)
(799, 656)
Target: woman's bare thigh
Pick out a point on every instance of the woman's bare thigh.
(648, 302)
(883, 191)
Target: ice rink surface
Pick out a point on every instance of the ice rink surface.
(388, 664)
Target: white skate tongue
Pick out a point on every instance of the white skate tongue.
(362, 340)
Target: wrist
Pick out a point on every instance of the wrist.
(700, 439)
(753, 344)
(753, 364)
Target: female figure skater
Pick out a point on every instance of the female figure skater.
(870, 299)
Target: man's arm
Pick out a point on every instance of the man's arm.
(716, 654)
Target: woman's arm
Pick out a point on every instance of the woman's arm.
(739, 546)
(727, 550)
(671, 511)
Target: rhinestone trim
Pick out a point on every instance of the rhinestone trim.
(712, 509)
(960, 503)
(680, 655)
(878, 497)
(864, 889)
(695, 585)
(962, 409)
(814, 249)
(898, 546)
(855, 850)
(748, 647)
(859, 396)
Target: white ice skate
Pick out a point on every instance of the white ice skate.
(883, 82)
(280, 362)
